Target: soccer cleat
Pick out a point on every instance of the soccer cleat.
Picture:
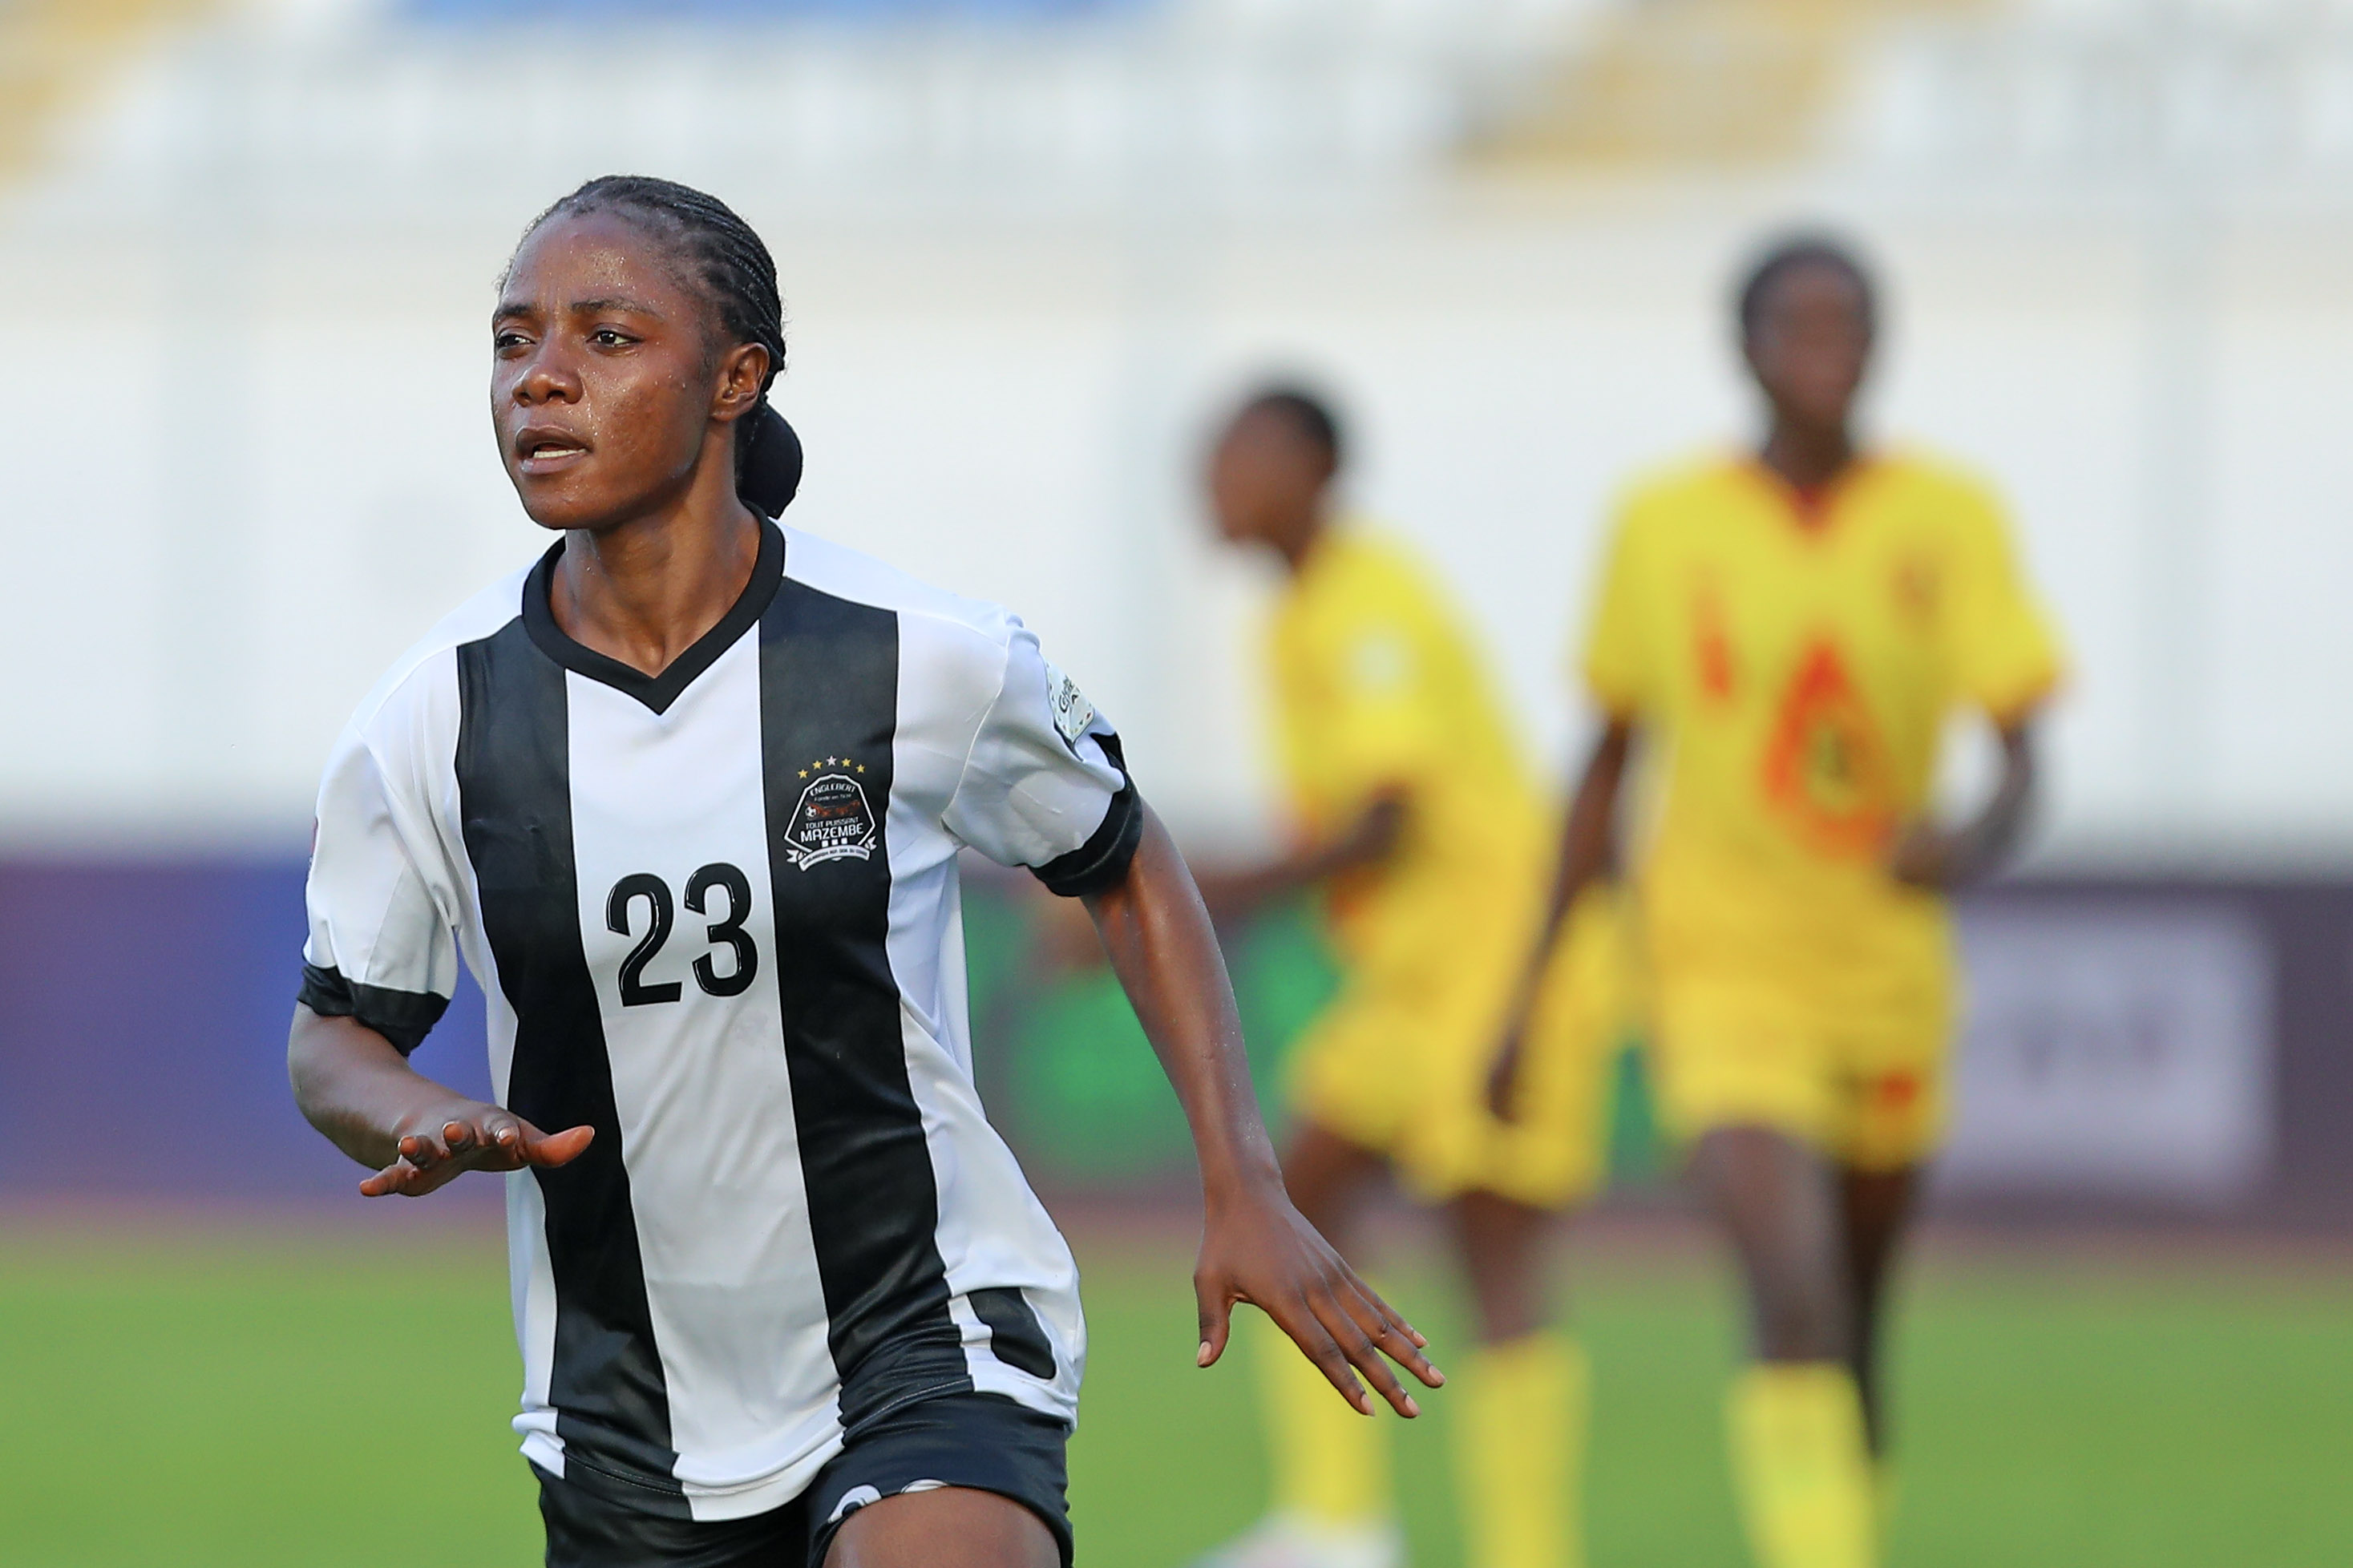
(1295, 1540)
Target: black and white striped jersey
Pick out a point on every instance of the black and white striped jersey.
(716, 915)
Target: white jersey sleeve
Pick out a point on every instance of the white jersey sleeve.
(1046, 785)
(382, 948)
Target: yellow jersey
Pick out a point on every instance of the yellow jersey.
(1377, 687)
(1794, 664)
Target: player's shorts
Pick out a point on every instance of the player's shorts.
(980, 1440)
(1397, 1062)
(1866, 1085)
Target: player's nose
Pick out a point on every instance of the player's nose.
(546, 377)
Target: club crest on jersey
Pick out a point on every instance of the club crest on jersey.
(834, 820)
(1072, 712)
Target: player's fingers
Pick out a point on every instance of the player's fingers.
(393, 1178)
(421, 1149)
(1399, 1339)
(1363, 1353)
(1315, 1342)
(1388, 1314)
(1393, 1335)
(558, 1147)
(434, 1179)
(1214, 1310)
(500, 1142)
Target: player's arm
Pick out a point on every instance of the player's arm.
(356, 1088)
(1233, 895)
(2005, 661)
(1928, 854)
(1587, 850)
(1255, 1246)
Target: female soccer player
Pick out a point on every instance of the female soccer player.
(1788, 633)
(688, 794)
(1421, 831)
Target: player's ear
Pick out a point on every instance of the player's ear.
(743, 373)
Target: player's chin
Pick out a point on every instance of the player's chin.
(1829, 397)
(566, 500)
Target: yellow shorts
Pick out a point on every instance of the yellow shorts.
(1397, 1064)
(1867, 1086)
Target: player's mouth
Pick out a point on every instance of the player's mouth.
(540, 450)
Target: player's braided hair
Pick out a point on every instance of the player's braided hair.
(737, 278)
(1788, 254)
(1309, 414)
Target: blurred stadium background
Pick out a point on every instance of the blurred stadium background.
(1028, 247)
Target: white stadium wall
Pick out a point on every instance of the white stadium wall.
(247, 457)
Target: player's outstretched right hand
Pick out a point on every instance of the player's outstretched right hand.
(477, 1137)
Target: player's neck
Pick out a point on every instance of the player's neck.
(1298, 545)
(644, 591)
(1809, 460)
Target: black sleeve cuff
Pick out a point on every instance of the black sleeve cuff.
(1103, 860)
(404, 1017)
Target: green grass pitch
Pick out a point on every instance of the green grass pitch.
(230, 1396)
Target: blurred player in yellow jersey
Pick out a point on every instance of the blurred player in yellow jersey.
(1425, 836)
(1787, 634)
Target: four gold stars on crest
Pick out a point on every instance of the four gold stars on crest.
(833, 762)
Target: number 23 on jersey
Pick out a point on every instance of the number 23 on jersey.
(725, 933)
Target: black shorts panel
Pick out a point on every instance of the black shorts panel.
(980, 1441)
(588, 1530)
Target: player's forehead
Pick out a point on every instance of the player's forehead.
(602, 258)
(1814, 289)
(1266, 429)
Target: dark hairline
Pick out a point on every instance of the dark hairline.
(677, 274)
(1309, 417)
(1794, 253)
(649, 222)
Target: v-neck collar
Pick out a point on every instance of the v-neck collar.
(1809, 514)
(656, 691)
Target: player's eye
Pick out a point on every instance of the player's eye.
(502, 342)
(610, 338)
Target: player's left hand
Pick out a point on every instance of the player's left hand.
(1503, 1072)
(1922, 856)
(474, 1137)
(1260, 1249)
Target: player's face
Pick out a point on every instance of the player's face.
(1265, 479)
(603, 382)
(1812, 344)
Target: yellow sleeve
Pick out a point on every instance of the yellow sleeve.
(1382, 725)
(2003, 653)
(1617, 652)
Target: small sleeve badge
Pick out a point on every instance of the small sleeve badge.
(1072, 712)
